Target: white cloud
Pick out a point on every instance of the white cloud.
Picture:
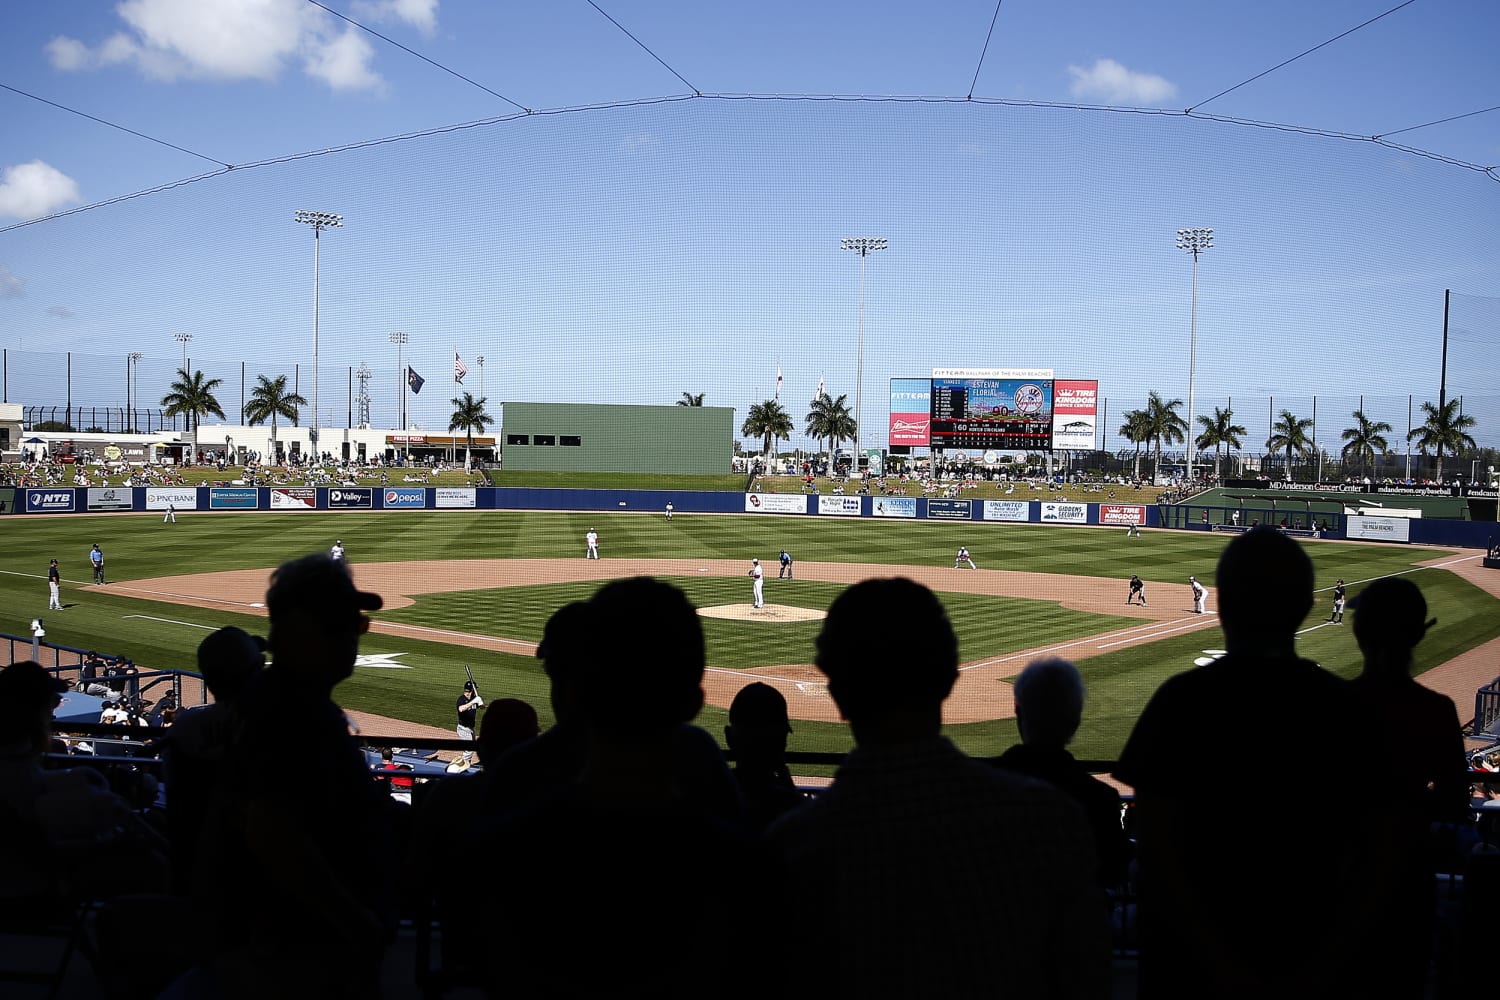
(1111, 83)
(12, 285)
(61, 312)
(31, 190)
(236, 40)
(420, 14)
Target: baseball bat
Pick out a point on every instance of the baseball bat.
(468, 670)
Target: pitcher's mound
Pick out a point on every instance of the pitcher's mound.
(769, 613)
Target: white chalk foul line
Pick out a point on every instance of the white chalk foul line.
(390, 627)
(1153, 629)
(173, 621)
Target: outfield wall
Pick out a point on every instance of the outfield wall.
(292, 499)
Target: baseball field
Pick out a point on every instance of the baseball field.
(477, 588)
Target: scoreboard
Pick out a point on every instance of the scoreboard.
(1002, 409)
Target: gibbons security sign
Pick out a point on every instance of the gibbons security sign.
(165, 497)
(116, 498)
(232, 498)
(1007, 510)
(1065, 513)
(404, 496)
(347, 499)
(1378, 529)
(776, 503)
(454, 498)
(47, 500)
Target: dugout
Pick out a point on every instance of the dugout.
(603, 437)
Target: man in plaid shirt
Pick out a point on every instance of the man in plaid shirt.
(929, 873)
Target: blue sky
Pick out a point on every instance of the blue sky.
(632, 253)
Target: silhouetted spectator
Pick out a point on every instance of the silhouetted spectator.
(1049, 706)
(1419, 750)
(756, 734)
(624, 832)
(1255, 898)
(196, 750)
(90, 676)
(507, 723)
(928, 873)
(294, 873)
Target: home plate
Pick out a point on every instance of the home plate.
(769, 613)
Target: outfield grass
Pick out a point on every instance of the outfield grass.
(140, 546)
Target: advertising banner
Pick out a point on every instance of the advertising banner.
(950, 510)
(228, 498)
(163, 497)
(1121, 513)
(1379, 529)
(294, 498)
(112, 498)
(1007, 510)
(776, 503)
(1075, 414)
(895, 506)
(911, 408)
(451, 498)
(49, 500)
(359, 497)
(1064, 513)
(404, 497)
(838, 506)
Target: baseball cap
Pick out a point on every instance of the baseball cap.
(757, 561)
(760, 705)
(26, 686)
(317, 583)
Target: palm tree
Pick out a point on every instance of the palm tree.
(192, 396)
(1165, 425)
(270, 399)
(1135, 430)
(688, 399)
(1364, 439)
(1219, 430)
(769, 422)
(1445, 429)
(468, 416)
(1289, 433)
(831, 420)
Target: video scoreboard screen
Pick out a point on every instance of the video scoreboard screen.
(992, 408)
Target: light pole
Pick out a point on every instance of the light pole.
(133, 365)
(184, 339)
(864, 246)
(1194, 241)
(319, 222)
(399, 339)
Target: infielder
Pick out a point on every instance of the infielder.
(1340, 593)
(54, 580)
(963, 557)
(1137, 589)
(1200, 595)
(759, 580)
(337, 552)
(592, 539)
(786, 565)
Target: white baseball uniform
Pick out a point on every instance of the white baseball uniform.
(1200, 596)
(592, 538)
(759, 580)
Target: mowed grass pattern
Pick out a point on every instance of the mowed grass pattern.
(139, 546)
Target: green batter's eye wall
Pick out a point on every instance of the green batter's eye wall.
(600, 437)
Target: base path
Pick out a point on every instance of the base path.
(978, 695)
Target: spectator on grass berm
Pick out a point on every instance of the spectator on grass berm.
(294, 877)
(929, 873)
(624, 831)
(540, 766)
(1272, 903)
(1049, 707)
(756, 736)
(98, 844)
(195, 752)
(1419, 747)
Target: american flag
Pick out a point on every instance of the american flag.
(459, 369)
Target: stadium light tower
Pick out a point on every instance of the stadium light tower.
(864, 246)
(184, 339)
(1194, 241)
(319, 222)
(132, 397)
